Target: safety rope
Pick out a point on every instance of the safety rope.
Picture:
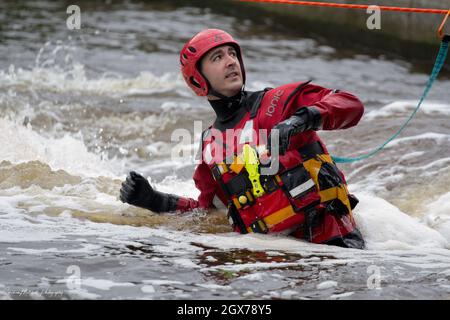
(349, 6)
(440, 59)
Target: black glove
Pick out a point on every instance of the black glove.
(137, 191)
(306, 118)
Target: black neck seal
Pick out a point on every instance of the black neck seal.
(228, 110)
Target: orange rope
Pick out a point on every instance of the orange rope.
(350, 6)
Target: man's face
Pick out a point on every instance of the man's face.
(222, 69)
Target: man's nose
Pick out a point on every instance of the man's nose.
(230, 60)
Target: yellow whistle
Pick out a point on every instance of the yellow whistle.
(251, 164)
(242, 199)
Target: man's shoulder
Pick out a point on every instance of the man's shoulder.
(273, 90)
(287, 90)
(292, 85)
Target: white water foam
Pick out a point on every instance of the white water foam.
(437, 215)
(56, 79)
(403, 107)
(182, 248)
(384, 226)
(434, 136)
(21, 144)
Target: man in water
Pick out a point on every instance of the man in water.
(294, 187)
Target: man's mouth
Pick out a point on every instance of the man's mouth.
(232, 74)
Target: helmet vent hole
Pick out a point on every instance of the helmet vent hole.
(192, 49)
(185, 56)
(194, 82)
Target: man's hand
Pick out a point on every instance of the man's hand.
(284, 135)
(306, 118)
(137, 191)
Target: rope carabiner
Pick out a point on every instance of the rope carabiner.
(441, 34)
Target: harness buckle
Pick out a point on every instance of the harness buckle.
(259, 226)
(269, 183)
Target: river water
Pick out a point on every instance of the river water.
(81, 108)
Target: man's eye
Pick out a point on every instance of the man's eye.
(233, 53)
(216, 58)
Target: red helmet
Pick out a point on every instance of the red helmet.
(195, 49)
